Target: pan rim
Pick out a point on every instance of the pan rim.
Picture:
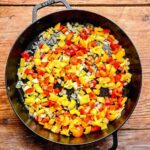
(6, 87)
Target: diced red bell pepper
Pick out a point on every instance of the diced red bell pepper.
(106, 31)
(46, 81)
(83, 35)
(114, 46)
(50, 103)
(68, 42)
(116, 64)
(117, 78)
(82, 111)
(70, 52)
(29, 90)
(92, 95)
(45, 120)
(25, 55)
(110, 59)
(95, 128)
(46, 92)
(107, 102)
(29, 71)
(56, 91)
(41, 72)
(40, 45)
(93, 84)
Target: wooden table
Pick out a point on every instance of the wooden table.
(133, 16)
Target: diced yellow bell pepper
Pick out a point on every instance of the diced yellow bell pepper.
(53, 97)
(31, 110)
(66, 121)
(84, 99)
(72, 104)
(112, 71)
(45, 48)
(56, 128)
(101, 99)
(88, 90)
(75, 112)
(61, 44)
(22, 62)
(103, 126)
(108, 67)
(51, 121)
(46, 35)
(37, 54)
(65, 102)
(29, 100)
(68, 84)
(120, 54)
(37, 62)
(38, 88)
(57, 26)
(29, 77)
(65, 132)
(100, 38)
(96, 91)
(94, 111)
(47, 126)
(41, 111)
(87, 130)
(98, 86)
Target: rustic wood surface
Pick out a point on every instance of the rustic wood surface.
(80, 2)
(15, 15)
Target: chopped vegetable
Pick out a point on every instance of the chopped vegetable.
(74, 78)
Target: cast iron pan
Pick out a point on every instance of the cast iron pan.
(30, 34)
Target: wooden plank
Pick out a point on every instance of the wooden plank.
(78, 2)
(14, 19)
(20, 138)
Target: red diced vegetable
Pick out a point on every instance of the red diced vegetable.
(29, 90)
(29, 71)
(25, 55)
(95, 128)
(68, 42)
(56, 91)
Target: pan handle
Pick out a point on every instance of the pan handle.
(114, 146)
(47, 3)
(115, 141)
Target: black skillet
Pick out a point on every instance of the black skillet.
(30, 34)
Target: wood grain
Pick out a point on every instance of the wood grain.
(79, 2)
(135, 21)
(22, 139)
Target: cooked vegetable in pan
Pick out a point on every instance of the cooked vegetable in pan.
(73, 79)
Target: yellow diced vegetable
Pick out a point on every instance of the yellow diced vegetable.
(45, 48)
(53, 97)
(72, 104)
(41, 111)
(101, 99)
(37, 62)
(57, 26)
(88, 90)
(22, 62)
(84, 99)
(29, 100)
(51, 121)
(74, 112)
(96, 91)
(65, 132)
(56, 128)
(38, 88)
(87, 130)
